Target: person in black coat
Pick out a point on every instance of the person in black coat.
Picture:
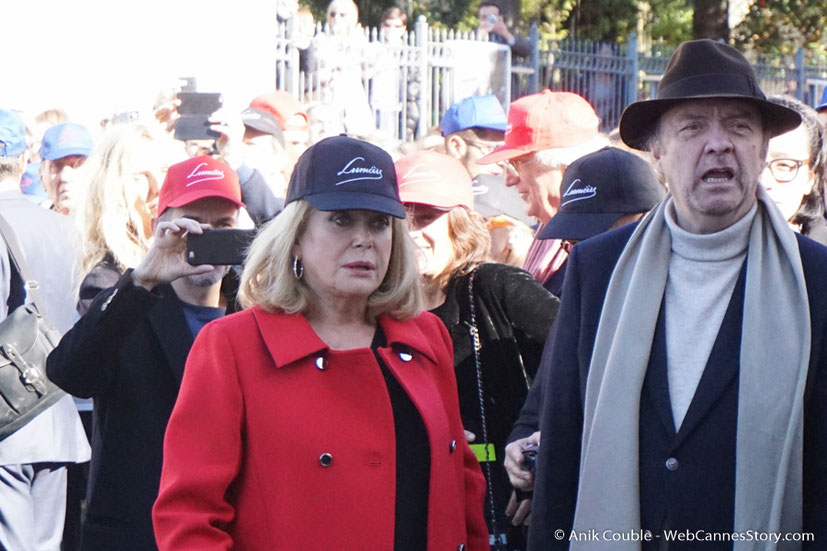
(498, 317)
(128, 351)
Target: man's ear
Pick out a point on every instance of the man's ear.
(456, 147)
(154, 223)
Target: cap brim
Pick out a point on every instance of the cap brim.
(354, 200)
(432, 199)
(68, 152)
(502, 153)
(578, 226)
(194, 196)
(639, 119)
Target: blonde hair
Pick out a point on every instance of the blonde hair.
(105, 214)
(471, 244)
(268, 281)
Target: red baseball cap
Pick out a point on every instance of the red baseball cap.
(284, 107)
(546, 120)
(434, 179)
(196, 179)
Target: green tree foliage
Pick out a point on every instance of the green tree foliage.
(668, 22)
(781, 26)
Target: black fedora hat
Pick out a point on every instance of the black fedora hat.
(703, 69)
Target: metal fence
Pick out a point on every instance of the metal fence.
(408, 86)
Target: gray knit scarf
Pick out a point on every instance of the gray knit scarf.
(775, 352)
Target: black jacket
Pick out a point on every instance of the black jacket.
(513, 314)
(128, 353)
(699, 493)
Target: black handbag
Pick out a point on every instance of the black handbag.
(26, 338)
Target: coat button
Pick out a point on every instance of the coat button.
(405, 356)
(672, 464)
(321, 363)
(452, 446)
(326, 460)
(461, 547)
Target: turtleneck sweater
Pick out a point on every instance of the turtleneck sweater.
(703, 270)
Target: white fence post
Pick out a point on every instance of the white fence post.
(421, 31)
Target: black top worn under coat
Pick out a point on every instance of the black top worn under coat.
(413, 462)
(513, 316)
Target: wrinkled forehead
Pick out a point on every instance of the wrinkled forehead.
(711, 108)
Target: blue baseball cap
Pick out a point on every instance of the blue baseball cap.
(12, 134)
(64, 140)
(30, 184)
(823, 104)
(474, 112)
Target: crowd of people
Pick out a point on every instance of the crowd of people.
(527, 335)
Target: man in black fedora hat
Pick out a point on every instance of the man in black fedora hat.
(685, 395)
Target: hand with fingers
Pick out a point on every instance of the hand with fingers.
(514, 463)
(232, 129)
(166, 105)
(166, 259)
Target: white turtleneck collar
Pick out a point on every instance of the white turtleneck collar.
(710, 247)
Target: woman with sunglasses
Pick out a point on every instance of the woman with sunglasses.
(498, 316)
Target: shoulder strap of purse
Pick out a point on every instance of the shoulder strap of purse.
(19, 260)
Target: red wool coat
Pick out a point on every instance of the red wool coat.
(277, 442)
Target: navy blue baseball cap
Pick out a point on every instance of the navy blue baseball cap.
(343, 173)
(474, 112)
(12, 134)
(65, 140)
(598, 189)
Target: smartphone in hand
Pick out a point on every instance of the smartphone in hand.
(219, 247)
(195, 111)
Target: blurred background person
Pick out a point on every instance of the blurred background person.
(34, 458)
(493, 27)
(506, 308)
(794, 176)
(63, 151)
(342, 55)
(547, 132)
(117, 196)
(473, 128)
(318, 383)
(118, 201)
(32, 187)
(386, 84)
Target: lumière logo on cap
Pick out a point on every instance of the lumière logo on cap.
(204, 175)
(418, 175)
(579, 193)
(358, 172)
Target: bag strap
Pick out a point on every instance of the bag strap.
(19, 261)
(486, 465)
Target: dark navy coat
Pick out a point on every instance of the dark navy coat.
(687, 479)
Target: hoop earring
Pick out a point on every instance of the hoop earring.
(298, 267)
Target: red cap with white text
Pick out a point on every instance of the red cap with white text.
(547, 120)
(198, 178)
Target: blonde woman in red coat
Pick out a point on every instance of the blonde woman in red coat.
(325, 415)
